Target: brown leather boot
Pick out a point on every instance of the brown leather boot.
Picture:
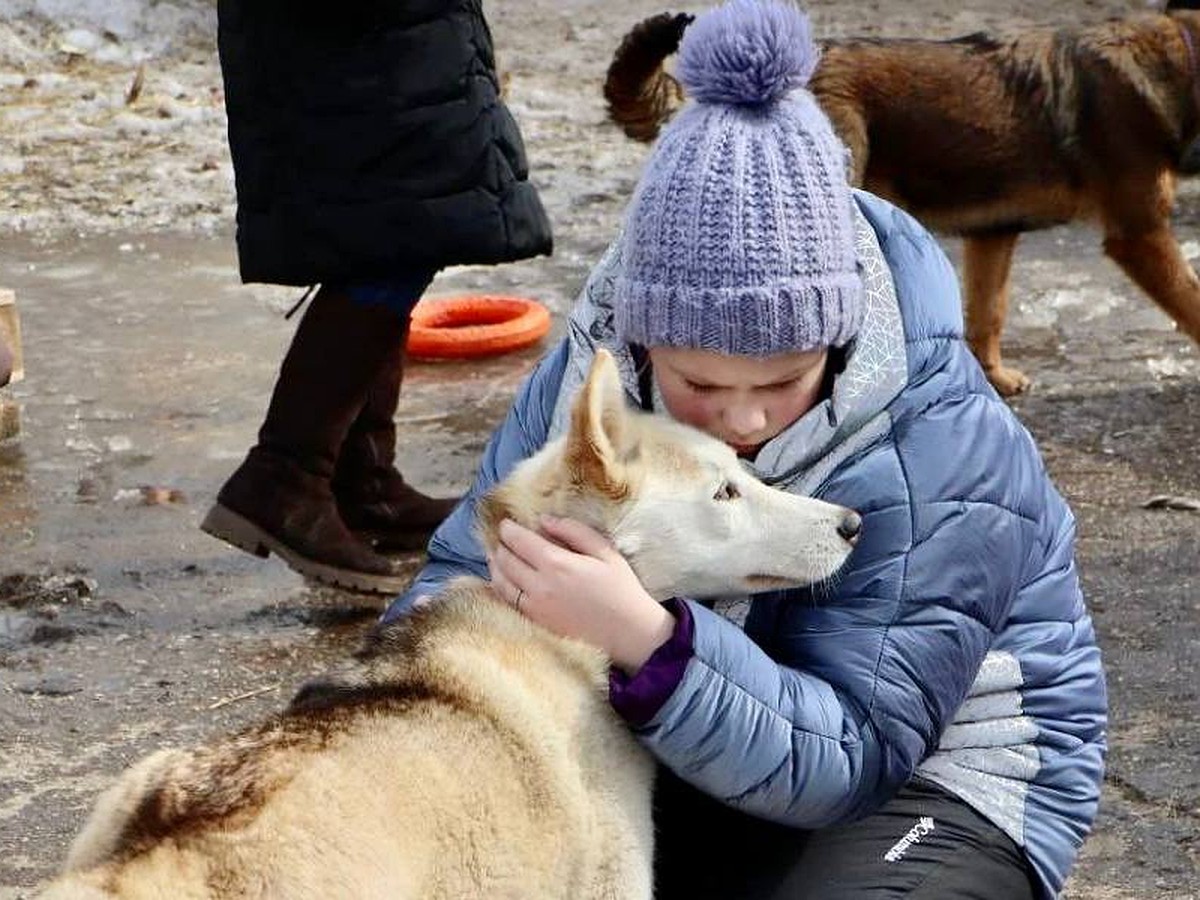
(280, 500)
(372, 496)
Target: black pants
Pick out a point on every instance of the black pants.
(925, 844)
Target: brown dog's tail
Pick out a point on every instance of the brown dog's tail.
(641, 94)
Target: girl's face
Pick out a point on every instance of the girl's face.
(742, 400)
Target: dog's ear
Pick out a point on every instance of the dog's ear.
(490, 509)
(600, 432)
(598, 439)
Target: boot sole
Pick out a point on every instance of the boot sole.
(238, 531)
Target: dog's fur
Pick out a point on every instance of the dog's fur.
(990, 136)
(469, 752)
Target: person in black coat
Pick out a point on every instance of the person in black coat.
(370, 149)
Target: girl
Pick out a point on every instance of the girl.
(931, 723)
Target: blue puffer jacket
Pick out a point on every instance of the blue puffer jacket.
(954, 644)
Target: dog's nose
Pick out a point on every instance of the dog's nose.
(850, 526)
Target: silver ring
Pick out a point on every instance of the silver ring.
(520, 597)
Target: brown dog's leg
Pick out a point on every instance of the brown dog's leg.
(1153, 260)
(1138, 238)
(987, 261)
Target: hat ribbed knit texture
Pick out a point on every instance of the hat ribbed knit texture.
(740, 235)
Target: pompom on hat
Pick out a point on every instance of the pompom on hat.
(747, 53)
(740, 235)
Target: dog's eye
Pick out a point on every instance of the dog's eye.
(727, 492)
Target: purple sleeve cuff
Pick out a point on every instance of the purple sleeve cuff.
(639, 697)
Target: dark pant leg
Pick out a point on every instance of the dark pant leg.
(705, 850)
(399, 293)
(925, 844)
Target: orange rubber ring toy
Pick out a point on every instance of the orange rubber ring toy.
(475, 325)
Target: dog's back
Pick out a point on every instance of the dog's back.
(919, 139)
(463, 720)
(978, 134)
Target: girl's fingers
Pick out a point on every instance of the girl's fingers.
(576, 536)
(528, 545)
(513, 569)
(506, 591)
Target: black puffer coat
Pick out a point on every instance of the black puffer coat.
(369, 140)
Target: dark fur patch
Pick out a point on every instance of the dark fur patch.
(981, 41)
(229, 782)
(331, 699)
(641, 52)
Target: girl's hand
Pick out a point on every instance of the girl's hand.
(572, 581)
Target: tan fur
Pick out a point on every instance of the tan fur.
(467, 752)
(480, 753)
(991, 136)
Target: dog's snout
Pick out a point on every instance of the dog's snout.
(850, 526)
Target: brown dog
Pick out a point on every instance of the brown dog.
(988, 137)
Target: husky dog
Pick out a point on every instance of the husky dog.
(468, 752)
(989, 136)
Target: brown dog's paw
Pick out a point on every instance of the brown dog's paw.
(1008, 382)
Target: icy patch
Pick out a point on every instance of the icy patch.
(47, 80)
(118, 30)
(1082, 305)
(1170, 367)
(80, 42)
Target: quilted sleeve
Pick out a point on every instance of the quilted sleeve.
(860, 682)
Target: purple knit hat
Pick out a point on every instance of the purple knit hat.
(740, 235)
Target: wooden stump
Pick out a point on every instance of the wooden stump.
(10, 333)
(10, 420)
